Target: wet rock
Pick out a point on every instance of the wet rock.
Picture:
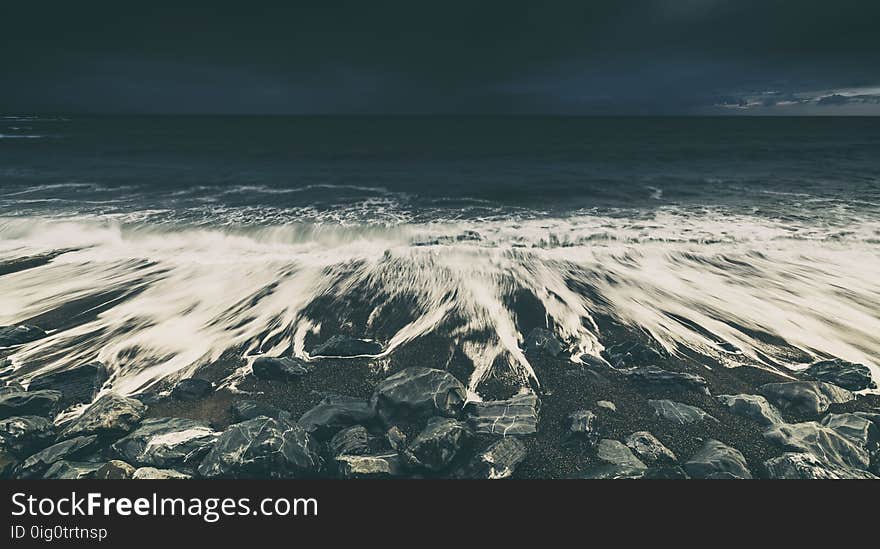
(244, 410)
(439, 443)
(192, 389)
(795, 466)
(498, 461)
(859, 430)
(753, 407)
(114, 469)
(607, 405)
(419, 392)
(24, 435)
(263, 448)
(280, 368)
(31, 403)
(8, 462)
(633, 353)
(72, 470)
(335, 412)
(805, 397)
(584, 426)
(616, 453)
(111, 416)
(678, 412)
(77, 385)
(850, 376)
(658, 377)
(354, 441)
(716, 460)
(370, 466)
(831, 448)
(343, 346)
(514, 416)
(542, 341)
(151, 473)
(37, 464)
(650, 450)
(166, 442)
(19, 335)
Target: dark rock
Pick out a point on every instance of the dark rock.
(192, 389)
(353, 441)
(335, 412)
(419, 392)
(396, 438)
(244, 410)
(39, 463)
(111, 416)
(542, 341)
(633, 353)
(385, 465)
(850, 376)
(72, 470)
(19, 335)
(514, 416)
(796, 466)
(609, 471)
(828, 446)
(669, 472)
(280, 368)
(678, 412)
(77, 385)
(8, 462)
(716, 460)
(616, 453)
(658, 377)
(805, 397)
(343, 346)
(441, 441)
(859, 430)
(166, 442)
(263, 448)
(584, 426)
(753, 407)
(151, 473)
(115, 469)
(498, 461)
(23, 435)
(12, 387)
(650, 450)
(31, 403)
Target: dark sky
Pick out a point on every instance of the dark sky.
(372, 56)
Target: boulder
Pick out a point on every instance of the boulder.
(384, 465)
(280, 368)
(151, 473)
(797, 466)
(850, 376)
(244, 410)
(192, 389)
(335, 412)
(262, 448)
(353, 441)
(633, 353)
(72, 470)
(498, 461)
(616, 453)
(584, 426)
(658, 377)
(650, 450)
(716, 460)
(419, 392)
(514, 416)
(543, 341)
(23, 435)
(753, 407)
(344, 346)
(439, 443)
(805, 397)
(678, 412)
(166, 442)
(31, 403)
(831, 448)
(609, 471)
(114, 469)
(12, 387)
(607, 405)
(111, 416)
(37, 464)
(859, 430)
(396, 438)
(19, 335)
(8, 462)
(77, 385)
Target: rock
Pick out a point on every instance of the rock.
(77, 385)
(831, 448)
(114, 469)
(192, 389)
(441, 441)
(280, 368)
(658, 377)
(396, 438)
(678, 412)
(335, 412)
(607, 405)
(111, 416)
(542, 341)
(244, 410)
(263, 448)
(343, 346)
(650, 450)
(353, 441)
(370, 466)
(632, 353)
(584, 426)
(151, 473)
(498, 461)
(31, 403)
(850, 376)
(39, 463)
(166, 442)
(859, 430)
(514, 416)
(610, 471)
(753, 407)
(72, 470)
(794, 466)
(7, 464)
(805, 397)
(716, 460)
(19, 335)
(12, 387)
(419, 392)
(23, 435)
(616, 453)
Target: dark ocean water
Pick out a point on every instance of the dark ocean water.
(226, 231)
